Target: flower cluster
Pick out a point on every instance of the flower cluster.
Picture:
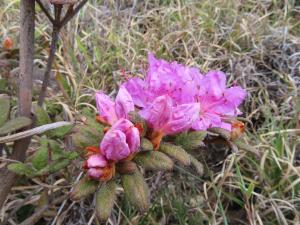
(172, 98)
(120, 141)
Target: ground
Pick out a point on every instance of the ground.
(257, 44)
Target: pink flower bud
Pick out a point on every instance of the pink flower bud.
(98, 167)
(122, 140)
(111, 111)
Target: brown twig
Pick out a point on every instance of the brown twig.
(27, 11)
(57, 25)
(71, 13)
(55, 36)
(45, 11)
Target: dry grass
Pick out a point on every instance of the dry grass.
(255, 41)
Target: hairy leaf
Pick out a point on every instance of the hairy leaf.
(190, 140)
(136, 190)
(105, 198)
(21, 169)
(84, 188)
(14, 125)
(60, 132)
(41, 156)
(197, 165)
(146, 145)
(4, 109)
(41, 116)
(154, 160)
(176, 152)
(221, 132)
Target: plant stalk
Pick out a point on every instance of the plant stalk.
(27, 26)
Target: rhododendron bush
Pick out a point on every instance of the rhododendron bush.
(151, 124)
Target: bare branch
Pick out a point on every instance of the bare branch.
(45, 11)
(54, 40)
(57, 25)
(34, 131)
(71, 13)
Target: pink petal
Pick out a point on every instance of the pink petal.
(207, 120)
(124, 103)
(161, 77)
(114, 145)
(235, 95)
(158, 113)
(96, 161)
(138, 91)
(213, 83)
(183, 117)
(200, 125)
(226, 126)
(106, 107)
(123, 125)
(133, 139)
(95, 173)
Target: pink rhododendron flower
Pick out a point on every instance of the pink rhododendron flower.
(186, 85)
(110, 111)
(164, 78)
(217, 102)
(120, 141)
(164, 118)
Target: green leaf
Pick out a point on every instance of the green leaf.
(41, 116)
(92, 123)
(14, 125)
(71, 155)
(41, 156)
(55, 166)
(60, 132)
(57, 151)
(3, 85)
(146, 145)
(154, 160)
(21, 169)
(4, 109)
(86, 136)
(84, 188)
(105, 198)
(136, 190)
(176, 152)
(49, 150)
(250, 190)
(190, 140)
